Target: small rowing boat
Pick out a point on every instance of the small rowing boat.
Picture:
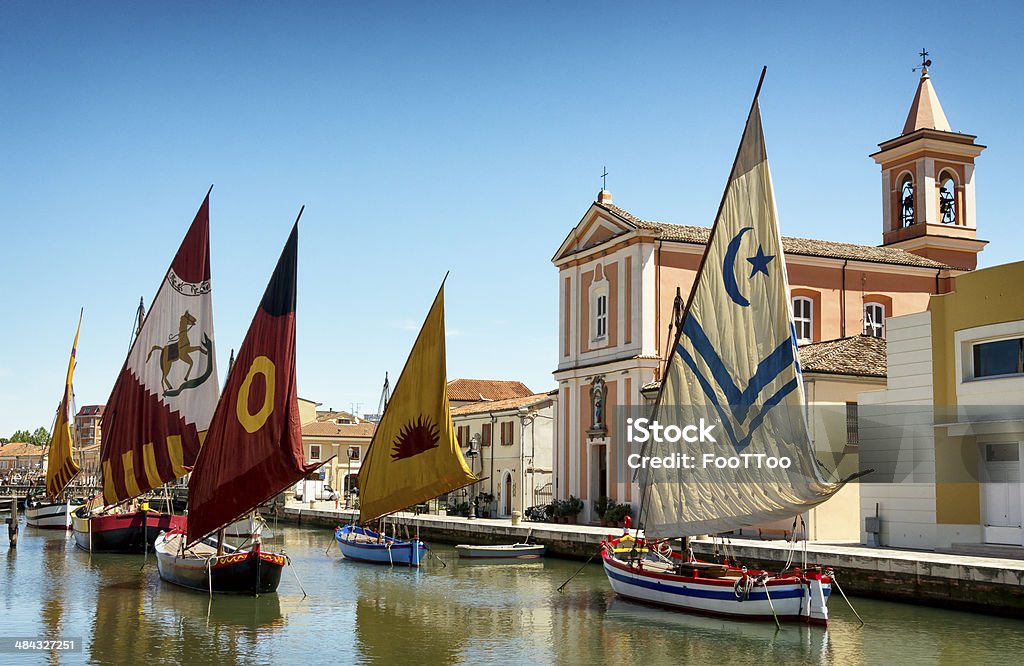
(365, 545)
(520, 551)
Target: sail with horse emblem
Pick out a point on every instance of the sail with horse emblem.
(162, 401)
(734, 364)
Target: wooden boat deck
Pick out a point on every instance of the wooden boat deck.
(201, 549)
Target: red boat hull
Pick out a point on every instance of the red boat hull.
(123, 532)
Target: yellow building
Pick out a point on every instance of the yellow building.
(946, 437)
(340, 439)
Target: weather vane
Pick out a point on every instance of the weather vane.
(925, 62)
(604, 178)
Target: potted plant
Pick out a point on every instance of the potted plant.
(483, 503)
(616, 514)
(573, 506)
(557, 511)
(562, 511)
(549, 512)
(601, 506)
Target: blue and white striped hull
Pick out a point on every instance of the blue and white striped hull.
(361, 544)
(792, 599)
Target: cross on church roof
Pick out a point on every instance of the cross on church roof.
(604, 178)
(925, 62)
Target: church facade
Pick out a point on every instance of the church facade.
(622, 280)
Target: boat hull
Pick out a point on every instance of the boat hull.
(240, 572)
(792, 598)
(362, 545)
(122, 532)
(49, 515)
(518, 551)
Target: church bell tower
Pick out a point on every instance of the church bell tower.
(928, 205)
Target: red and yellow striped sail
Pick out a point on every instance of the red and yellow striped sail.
(62, 468)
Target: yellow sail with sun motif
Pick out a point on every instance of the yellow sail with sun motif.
(414, 455)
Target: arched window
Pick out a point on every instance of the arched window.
(803, 319)
(947, 198)
(599, 311)
(874, 320)
(907, 201)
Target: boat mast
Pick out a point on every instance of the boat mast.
(223, 530)
(385, 395)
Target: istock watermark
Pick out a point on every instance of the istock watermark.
(708, 461)
(643, 430)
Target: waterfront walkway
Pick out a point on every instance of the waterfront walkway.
(968, 582)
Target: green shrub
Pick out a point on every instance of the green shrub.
(574, 505)
(601, 506)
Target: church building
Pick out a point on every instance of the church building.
(622, 279)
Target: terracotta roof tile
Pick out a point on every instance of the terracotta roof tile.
(486, 389)
(91, 410)
(501, 405)
(363, 429)
(19, 450)
(791, 245)
(860, 355)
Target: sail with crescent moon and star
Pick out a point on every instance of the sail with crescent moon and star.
(735, 364)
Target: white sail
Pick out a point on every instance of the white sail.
(735, 365)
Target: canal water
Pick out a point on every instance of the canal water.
(120, 611)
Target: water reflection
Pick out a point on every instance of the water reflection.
(664, 635)
(53, 593)
(464, 612)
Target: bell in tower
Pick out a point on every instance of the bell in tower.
(928, 203)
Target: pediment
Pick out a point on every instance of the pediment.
(598, 226)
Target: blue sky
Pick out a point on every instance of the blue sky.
(426, 137)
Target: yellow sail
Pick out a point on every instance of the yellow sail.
(414, 455)
(62, 467)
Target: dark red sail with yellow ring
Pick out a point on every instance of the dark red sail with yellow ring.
(253, 449)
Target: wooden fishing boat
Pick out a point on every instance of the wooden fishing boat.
(121, 531)
(414, 455)
(519, 551)
(53, 511)
(231, 570)
(365, 545)
(662, 577)
(161, 402)
(246, 458)
(50, 515)
(734, 364)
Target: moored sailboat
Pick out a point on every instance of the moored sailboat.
(733, 363)
(160, 406)
(414, 455)
(252, 452)
(54, 511)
